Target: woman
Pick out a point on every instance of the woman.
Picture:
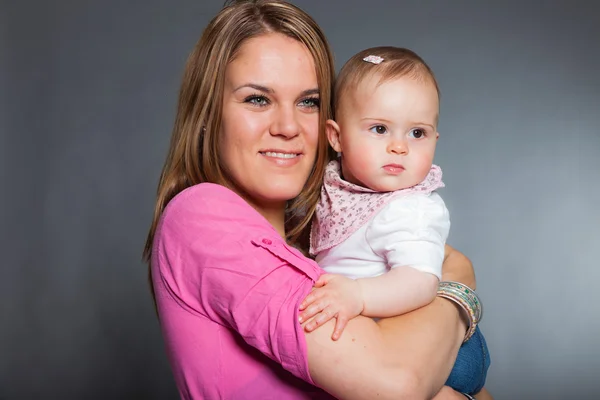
(236, 194)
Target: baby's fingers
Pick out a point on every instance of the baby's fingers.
(320, 319)
(340, 325)
(312, 310)
(312, 297)
(323, 280)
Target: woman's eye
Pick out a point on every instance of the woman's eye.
(312, 102)
(417, 133)
(259, 101)
(378, 129)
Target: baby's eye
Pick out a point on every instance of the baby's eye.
(378, 129)
(417, 133)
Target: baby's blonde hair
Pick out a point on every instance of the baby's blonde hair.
(397, 62)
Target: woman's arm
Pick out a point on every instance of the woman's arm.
(249, 281)
(458, 268)
(404, 357)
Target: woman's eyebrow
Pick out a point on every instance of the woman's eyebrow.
(265, 89)
(255, 87)
(309, 92)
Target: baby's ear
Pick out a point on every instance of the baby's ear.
(437, 135)
(333, 135)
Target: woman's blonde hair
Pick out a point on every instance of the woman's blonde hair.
(193, 155)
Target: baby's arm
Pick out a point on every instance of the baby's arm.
(410, 234)
(399, 291)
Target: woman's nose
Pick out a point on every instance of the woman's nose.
(285, 122)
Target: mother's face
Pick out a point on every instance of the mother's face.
(270, 119)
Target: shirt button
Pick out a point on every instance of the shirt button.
(267, 241)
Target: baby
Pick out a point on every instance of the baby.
(379, 221)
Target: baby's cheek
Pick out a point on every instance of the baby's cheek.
(365, 159)
(360, 163)
(424, 164)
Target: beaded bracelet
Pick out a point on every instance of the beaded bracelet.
(467, 299)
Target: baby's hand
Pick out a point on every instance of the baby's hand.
(333, 296)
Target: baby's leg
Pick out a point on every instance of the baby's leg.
(471, 366)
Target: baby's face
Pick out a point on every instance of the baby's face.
(387, 132)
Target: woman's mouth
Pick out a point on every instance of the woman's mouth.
(282, 158)
(279, 154)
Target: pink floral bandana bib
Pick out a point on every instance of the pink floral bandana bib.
(345, 207)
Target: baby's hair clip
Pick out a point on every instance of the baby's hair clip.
(373, 59)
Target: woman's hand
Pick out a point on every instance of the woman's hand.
(447, 393)
(457, 267)
(333, 296)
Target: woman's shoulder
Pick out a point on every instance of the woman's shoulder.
(208, 202)
(208, 211)
(208, 197)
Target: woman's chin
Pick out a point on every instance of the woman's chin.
(280, 192)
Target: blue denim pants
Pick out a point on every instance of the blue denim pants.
(471, 366)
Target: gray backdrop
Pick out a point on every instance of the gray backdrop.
(88, 92)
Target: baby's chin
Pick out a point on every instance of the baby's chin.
(391, 186)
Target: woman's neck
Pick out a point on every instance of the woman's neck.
(274, 213)
(276, 217)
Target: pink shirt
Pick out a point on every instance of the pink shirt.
(228, 289)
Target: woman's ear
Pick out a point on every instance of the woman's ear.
(333, 135)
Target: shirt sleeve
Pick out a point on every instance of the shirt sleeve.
(222, 260)
(411, 231)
